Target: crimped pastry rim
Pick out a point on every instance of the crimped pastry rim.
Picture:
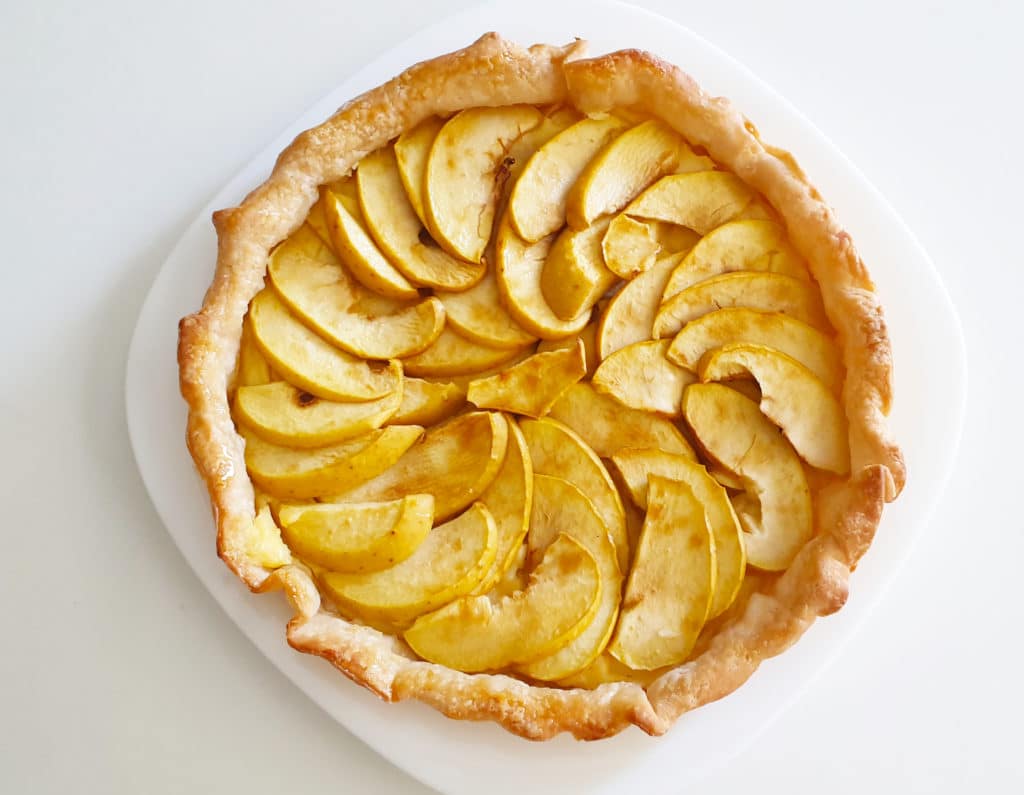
(495, 72)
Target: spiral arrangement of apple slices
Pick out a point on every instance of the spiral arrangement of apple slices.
(533, 390)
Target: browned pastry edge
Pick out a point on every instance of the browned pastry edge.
(494, 72)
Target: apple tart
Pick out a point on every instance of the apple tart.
(546, 391)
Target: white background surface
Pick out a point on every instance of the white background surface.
(118, 671)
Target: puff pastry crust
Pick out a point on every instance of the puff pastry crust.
(494, 72)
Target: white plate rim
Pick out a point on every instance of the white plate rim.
(427, 748)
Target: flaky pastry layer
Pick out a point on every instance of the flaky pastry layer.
(493, 72)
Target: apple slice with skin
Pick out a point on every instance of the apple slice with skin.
(793, 398)
(532, 386)
(262, 542)
(734, 432)
(509, 498)
(669, 591)
(455, 462)
(607, 670)
(626, 166)
(574, 275)
(519, 270)
(283, 414)
(253, 368)
(477, 315)
(397, 229)
(807, 345)
(640, 377)
(700, 200)
(355, 248)
(449, 563)
(749, 245)
(607, 426)
(555, 449)
(303, 474)
(588, 336)
(427, 402)
(453, 354)
(537, 204)
(766, 292)
(411, 152)
(318, 222)
(637, 467)
(460, 187)
(629, 246)
(559, 506)
(475, 634)
(367, 536)
(630, 315)
(315, 286)
(310, 362)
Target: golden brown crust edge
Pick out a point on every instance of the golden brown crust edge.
(494, 72)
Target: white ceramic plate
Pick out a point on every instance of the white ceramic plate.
(459, 757)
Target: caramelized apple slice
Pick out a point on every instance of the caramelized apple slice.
(477, 315)
(532, 386)
(366, 536)
(309, 362)
(283, 414)
(411, 152)
(793, 398)
(807, 345)
(321, 292)
(303, 474)
(734, 432)
(701, 201)
(765, 292)
(396, 228)
(453, 354)
(476, 634)
(638, 466)
(668, 594)
(461, 188)
(427, 402)
(640, 377)
(455, 462)
(448, 564)
(574, 275)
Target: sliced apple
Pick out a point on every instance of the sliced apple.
(461, 183)
(734, 432)
(261, 541)
(366, 536)
(559, 506)
(509, 498)
(607, 426)
(427, 402)
(607, 670)
(793, 398)
(588, 336)
(700, 200)
(766, 292)
(537, 204)
(308, 361)
(449, 563)
(629, 246)
(630, 315)
(314, 285)
(289, 473)
(531, 387)
(463, 381)
(283, 414)
(318, 222)
(520, 266)
(749, 245)
(669, 591)
(357, 251)
(523, 148)
(396, 228)
(253, 368)
(555, 449)
(453, 354)
(626, 166)
(477, 315)
(455, 462)
(574, 275)
(807, 345)
(639, 376)
(673, 238)
(637, 467)
(411, 152)
(476, 634)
